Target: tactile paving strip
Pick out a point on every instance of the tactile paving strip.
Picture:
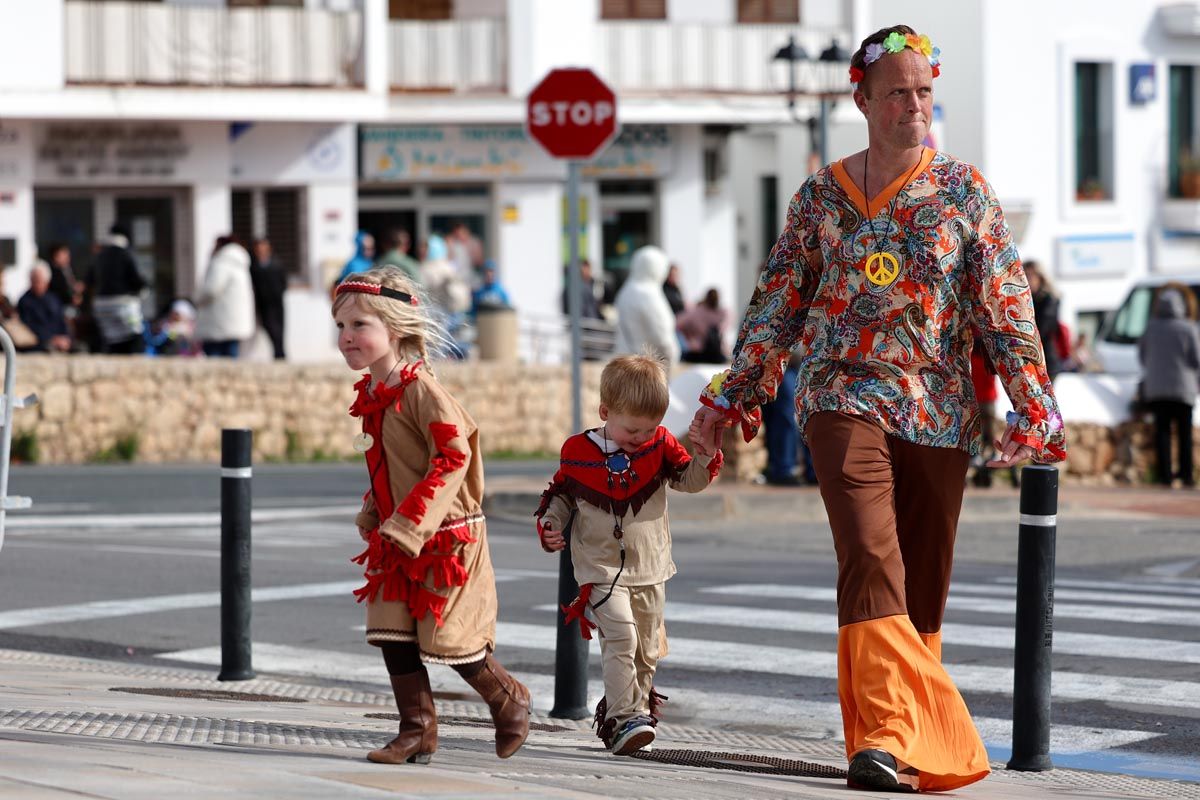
(741, 762)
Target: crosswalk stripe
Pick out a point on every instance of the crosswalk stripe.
(1063, 592)
(1158, 616)
(1162, 586)
(107, 609)
(988, 636)
(750, 658)
(812, 717)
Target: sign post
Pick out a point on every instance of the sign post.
(572, 113)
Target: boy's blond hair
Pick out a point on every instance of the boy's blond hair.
(635, 385)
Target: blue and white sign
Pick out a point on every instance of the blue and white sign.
(1141, 84)
(1096, 255)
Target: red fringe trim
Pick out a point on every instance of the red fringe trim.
(446, 461)
(396, 577)
(576, 610)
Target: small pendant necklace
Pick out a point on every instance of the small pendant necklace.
(616, 464)
(883, 268)
(365, 441)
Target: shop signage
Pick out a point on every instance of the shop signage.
(501, 152)
(1096, 255)
(144, 150)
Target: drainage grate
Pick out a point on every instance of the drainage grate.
(476, 722)
(210, 694)
(741, 762)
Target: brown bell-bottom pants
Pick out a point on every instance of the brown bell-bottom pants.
(893, 507)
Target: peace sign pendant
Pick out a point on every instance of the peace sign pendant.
(882, 269)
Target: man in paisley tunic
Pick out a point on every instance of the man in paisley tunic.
(887, 260)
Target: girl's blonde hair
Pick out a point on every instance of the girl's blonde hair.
(413, 325)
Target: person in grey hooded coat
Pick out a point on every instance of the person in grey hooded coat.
(1169, 352)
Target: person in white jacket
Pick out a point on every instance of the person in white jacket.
(225, 303)
(644, 317)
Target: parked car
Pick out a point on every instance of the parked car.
(1116, 343)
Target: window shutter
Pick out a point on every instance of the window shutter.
(420, 9)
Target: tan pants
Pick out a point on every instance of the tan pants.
(631, 633)
(893, 507)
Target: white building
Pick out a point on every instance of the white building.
(1084, 115)
(302, 120)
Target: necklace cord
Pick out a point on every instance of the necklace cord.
(892, 204)
(618, 531)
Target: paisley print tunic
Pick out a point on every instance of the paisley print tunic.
(898, 351)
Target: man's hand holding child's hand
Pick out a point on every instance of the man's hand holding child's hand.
(552, 540)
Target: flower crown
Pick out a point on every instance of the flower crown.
(895, 43)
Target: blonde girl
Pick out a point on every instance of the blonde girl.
(430, 591)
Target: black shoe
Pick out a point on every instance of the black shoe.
(876, 770)
(787, 480)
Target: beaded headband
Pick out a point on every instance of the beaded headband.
(362, 287)
(895, 43)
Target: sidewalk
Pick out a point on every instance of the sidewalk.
(74, 727)
(519, 496)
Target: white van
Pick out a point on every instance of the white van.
(1116, 342)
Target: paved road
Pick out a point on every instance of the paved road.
(751, 614)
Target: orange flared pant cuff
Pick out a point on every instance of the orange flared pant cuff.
(933, 643)
(896, 696)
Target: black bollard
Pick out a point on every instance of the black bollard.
(1035, 620)
(571, 650)
(235, 555)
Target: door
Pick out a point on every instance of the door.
(380, 223)
(69, 221)
(152, 242)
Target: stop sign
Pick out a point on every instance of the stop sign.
(572, 113)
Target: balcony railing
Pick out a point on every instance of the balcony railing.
(725, 59)
(152, 43)
(448, 55)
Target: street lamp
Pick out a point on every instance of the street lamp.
(826, 80)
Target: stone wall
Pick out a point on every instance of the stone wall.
(176, 409)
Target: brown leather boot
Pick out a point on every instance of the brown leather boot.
(418, 722)
(508, 700)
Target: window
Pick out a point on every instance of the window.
(768, 11)
(420, 9)
(1093, 132)
(244, 3)
(275, 214)
(633, 9)
(1183, 145)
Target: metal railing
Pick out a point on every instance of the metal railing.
(153, 43)
(469, 55)
(640, 56)
(546, 339)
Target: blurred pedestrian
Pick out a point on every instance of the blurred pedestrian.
(42, 311)
(465, 251)
(270, 283)
(225, 302)
(644, 318)
(1045, 312)
(116, 285)
(363, 258)
(63, 283)
(1169, 352)
(673, 290)
(703, 328)
(396, 254)
(983, 380)
(781, 429)
(490, 294)
(448, 293)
